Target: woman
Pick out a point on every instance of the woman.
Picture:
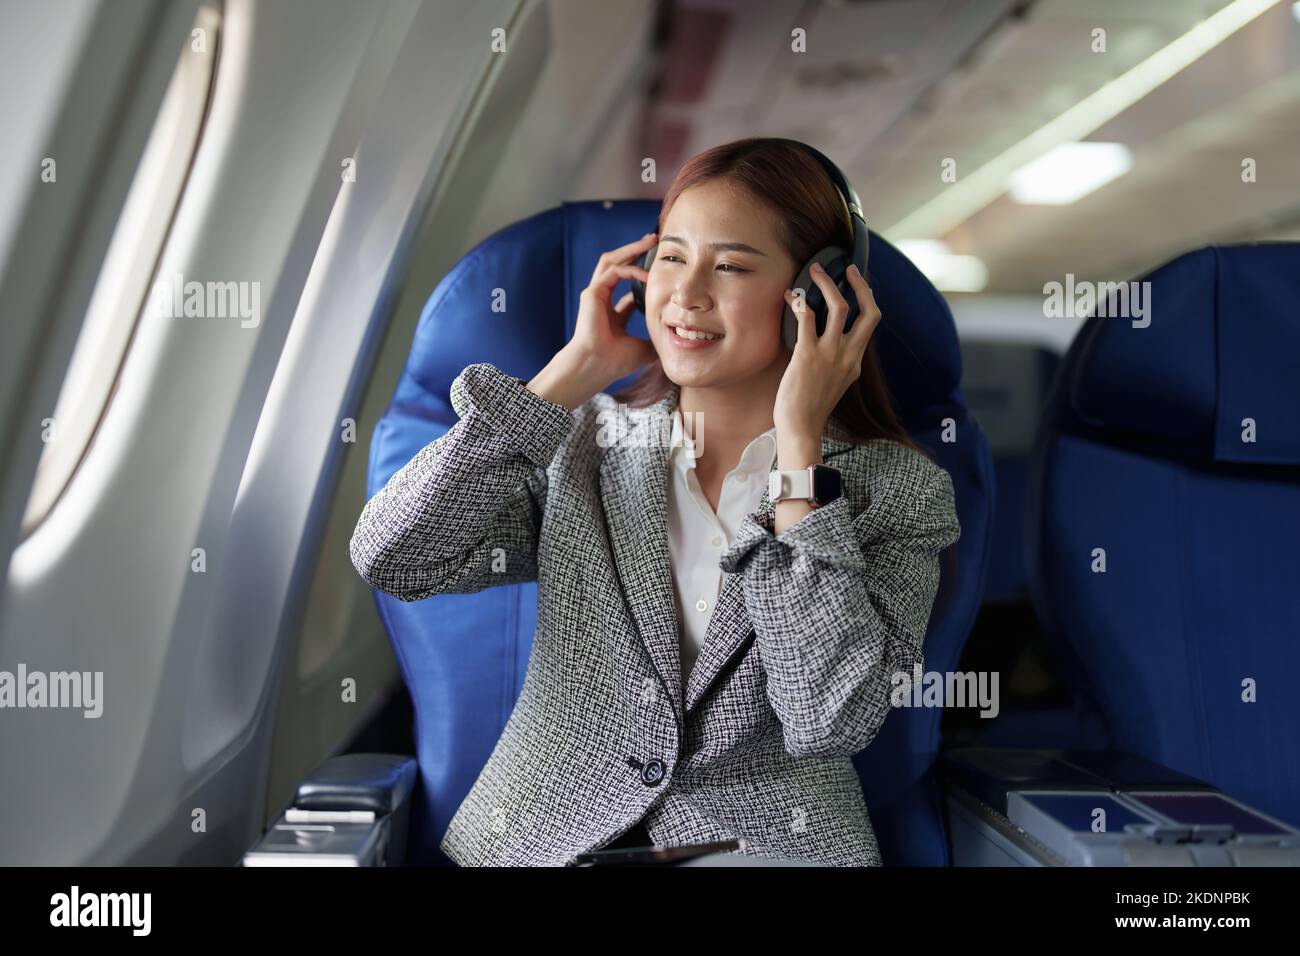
(666, 701)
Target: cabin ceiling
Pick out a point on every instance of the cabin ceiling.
(891, 88)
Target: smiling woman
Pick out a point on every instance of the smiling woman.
(736, 224)
(713, 646)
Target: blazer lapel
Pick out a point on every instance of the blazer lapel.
(730, 626)
(634, 496)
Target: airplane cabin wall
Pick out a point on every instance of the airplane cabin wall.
(225, 436)
(559, 107)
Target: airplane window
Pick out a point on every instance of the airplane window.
(122, 287)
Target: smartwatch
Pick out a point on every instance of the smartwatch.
(817, 484)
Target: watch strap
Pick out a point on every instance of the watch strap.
(818, 484)
(791, 485)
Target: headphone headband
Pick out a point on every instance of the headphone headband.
(832, 258)
(837, 177)
(857, 219)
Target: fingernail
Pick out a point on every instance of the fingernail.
(854, 269)
(817, 267)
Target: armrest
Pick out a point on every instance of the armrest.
(1099, 808)
(378, 782)
(352, 810)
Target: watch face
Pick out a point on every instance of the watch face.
(826, 484)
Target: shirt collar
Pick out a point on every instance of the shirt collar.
(757, 458)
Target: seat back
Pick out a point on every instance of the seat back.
(464, 657)
(1183, 642)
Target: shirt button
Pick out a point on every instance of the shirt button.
(701, 604)
(742, 476)
(717, 542)
(653, 772)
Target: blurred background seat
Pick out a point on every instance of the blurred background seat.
(1183, 649)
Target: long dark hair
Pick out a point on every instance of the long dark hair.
(810, 215)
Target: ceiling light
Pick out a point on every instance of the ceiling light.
(958, 201)
(1069, 172)
(949, 271)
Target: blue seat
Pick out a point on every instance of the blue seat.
(1140, 453)
(464, 657)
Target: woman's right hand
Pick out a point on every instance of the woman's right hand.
(600, 335)
(600, 351)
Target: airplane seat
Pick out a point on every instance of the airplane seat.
(1008, 399)
(513, 301)
(921, 360)
(1008, 390)
(1075, 726)
(1162, 518)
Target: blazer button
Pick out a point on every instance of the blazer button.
(652, 774)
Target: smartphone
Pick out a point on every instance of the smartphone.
(650, 855)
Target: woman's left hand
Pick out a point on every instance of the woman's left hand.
(822, 368)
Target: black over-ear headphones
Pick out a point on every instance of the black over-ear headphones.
(832, 258)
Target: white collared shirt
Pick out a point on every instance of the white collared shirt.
(697, 535)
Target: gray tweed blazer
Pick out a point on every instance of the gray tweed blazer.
(795, 673)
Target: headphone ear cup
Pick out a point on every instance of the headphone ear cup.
(834, 261)
(838, 270)
(638, 287)
(789, 320)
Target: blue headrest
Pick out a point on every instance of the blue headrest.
(917, 339)
(1219, 343)
(1140, 456)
